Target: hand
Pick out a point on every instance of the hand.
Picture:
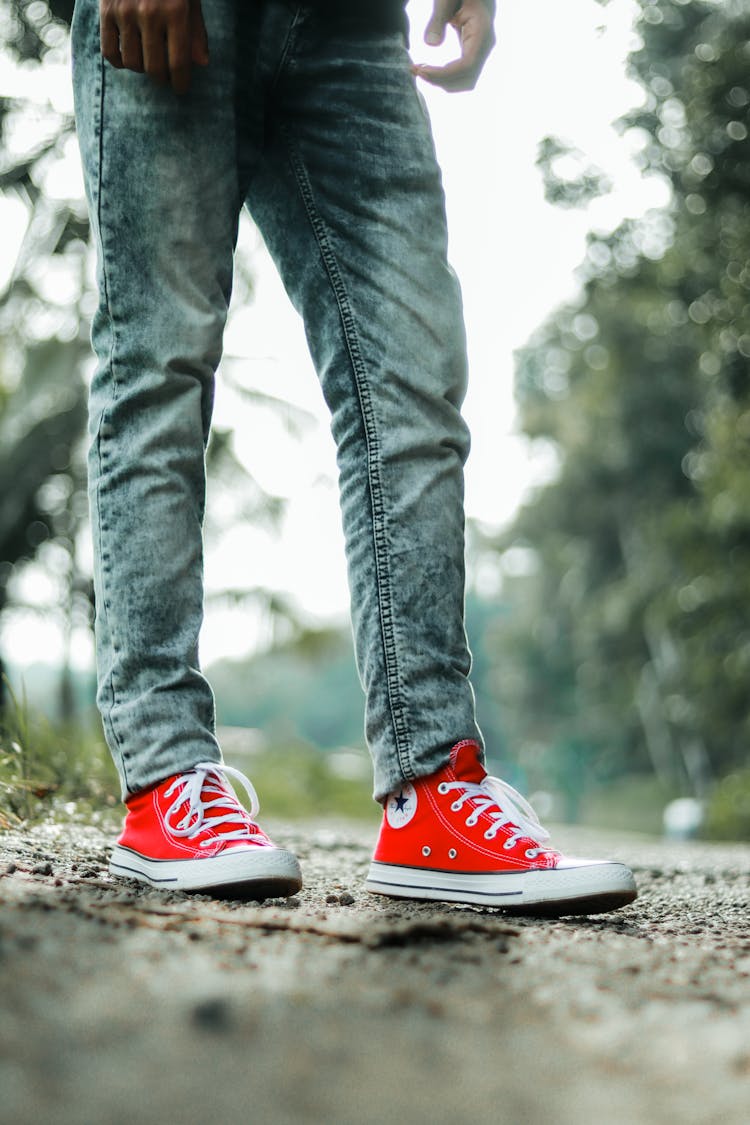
(162, 38)
(473, 20)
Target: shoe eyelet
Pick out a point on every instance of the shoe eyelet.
(471, 821)
(452, 853)
(509, 845)
(531, 853)
(443, 787)
(456, 806)
(425, 850)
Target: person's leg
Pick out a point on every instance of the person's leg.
(162, 185)
(350, 204)
(349, 201)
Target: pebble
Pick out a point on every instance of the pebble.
(42, 868)
(213, 1014)
(346, 899)
(10, 868)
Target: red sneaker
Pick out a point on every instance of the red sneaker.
(463, 836)
(190, 833)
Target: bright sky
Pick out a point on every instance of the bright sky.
(558, 68)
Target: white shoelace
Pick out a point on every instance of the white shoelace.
(190, 790)
(505, 805)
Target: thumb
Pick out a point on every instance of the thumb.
(442, 12)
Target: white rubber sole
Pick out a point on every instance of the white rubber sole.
(253, 872)
(578, 887)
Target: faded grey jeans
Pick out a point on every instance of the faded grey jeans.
(318, 129)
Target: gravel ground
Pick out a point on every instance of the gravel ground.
(123, 1005)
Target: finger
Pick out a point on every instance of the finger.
(154, 45)
(198, 35)
(131, 50)
(462, 73)
(443, 12)
(109, 38)
(439, 76)
(179, 50)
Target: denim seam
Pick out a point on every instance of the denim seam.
(101, 436)
(396, 702)
(289, 43)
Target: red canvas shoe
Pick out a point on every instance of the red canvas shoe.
(463, 836)
(190, 833)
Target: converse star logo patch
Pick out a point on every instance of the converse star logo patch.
(401, 806)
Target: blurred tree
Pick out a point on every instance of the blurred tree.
(45, 348)
(45, 307)
(633, 634)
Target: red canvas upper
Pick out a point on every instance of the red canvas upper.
(460, 819)
(192, 815)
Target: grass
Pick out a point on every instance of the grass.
(49, 769)
(64, 772)
(298, 782)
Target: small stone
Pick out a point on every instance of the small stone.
(332, 899)
(42, 868)
(10, 868)
(346, 899)
(741, 1064)
(212, 1015)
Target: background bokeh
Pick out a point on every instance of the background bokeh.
(606, 272)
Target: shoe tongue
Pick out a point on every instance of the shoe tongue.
(214, 789)
(466, 763)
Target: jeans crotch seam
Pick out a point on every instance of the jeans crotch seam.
(289, 42)
(395, 700)
(110, 721)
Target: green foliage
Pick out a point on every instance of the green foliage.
(633, 804)
(569, 179)
(304, 690)
(296, 781)
(631, 638)
(45, 346)
(728, 813)
(45, 349)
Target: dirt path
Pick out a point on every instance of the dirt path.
(123, 1006)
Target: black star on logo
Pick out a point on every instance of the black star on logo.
(401, 802)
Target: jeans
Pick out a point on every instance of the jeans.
(318, 129)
